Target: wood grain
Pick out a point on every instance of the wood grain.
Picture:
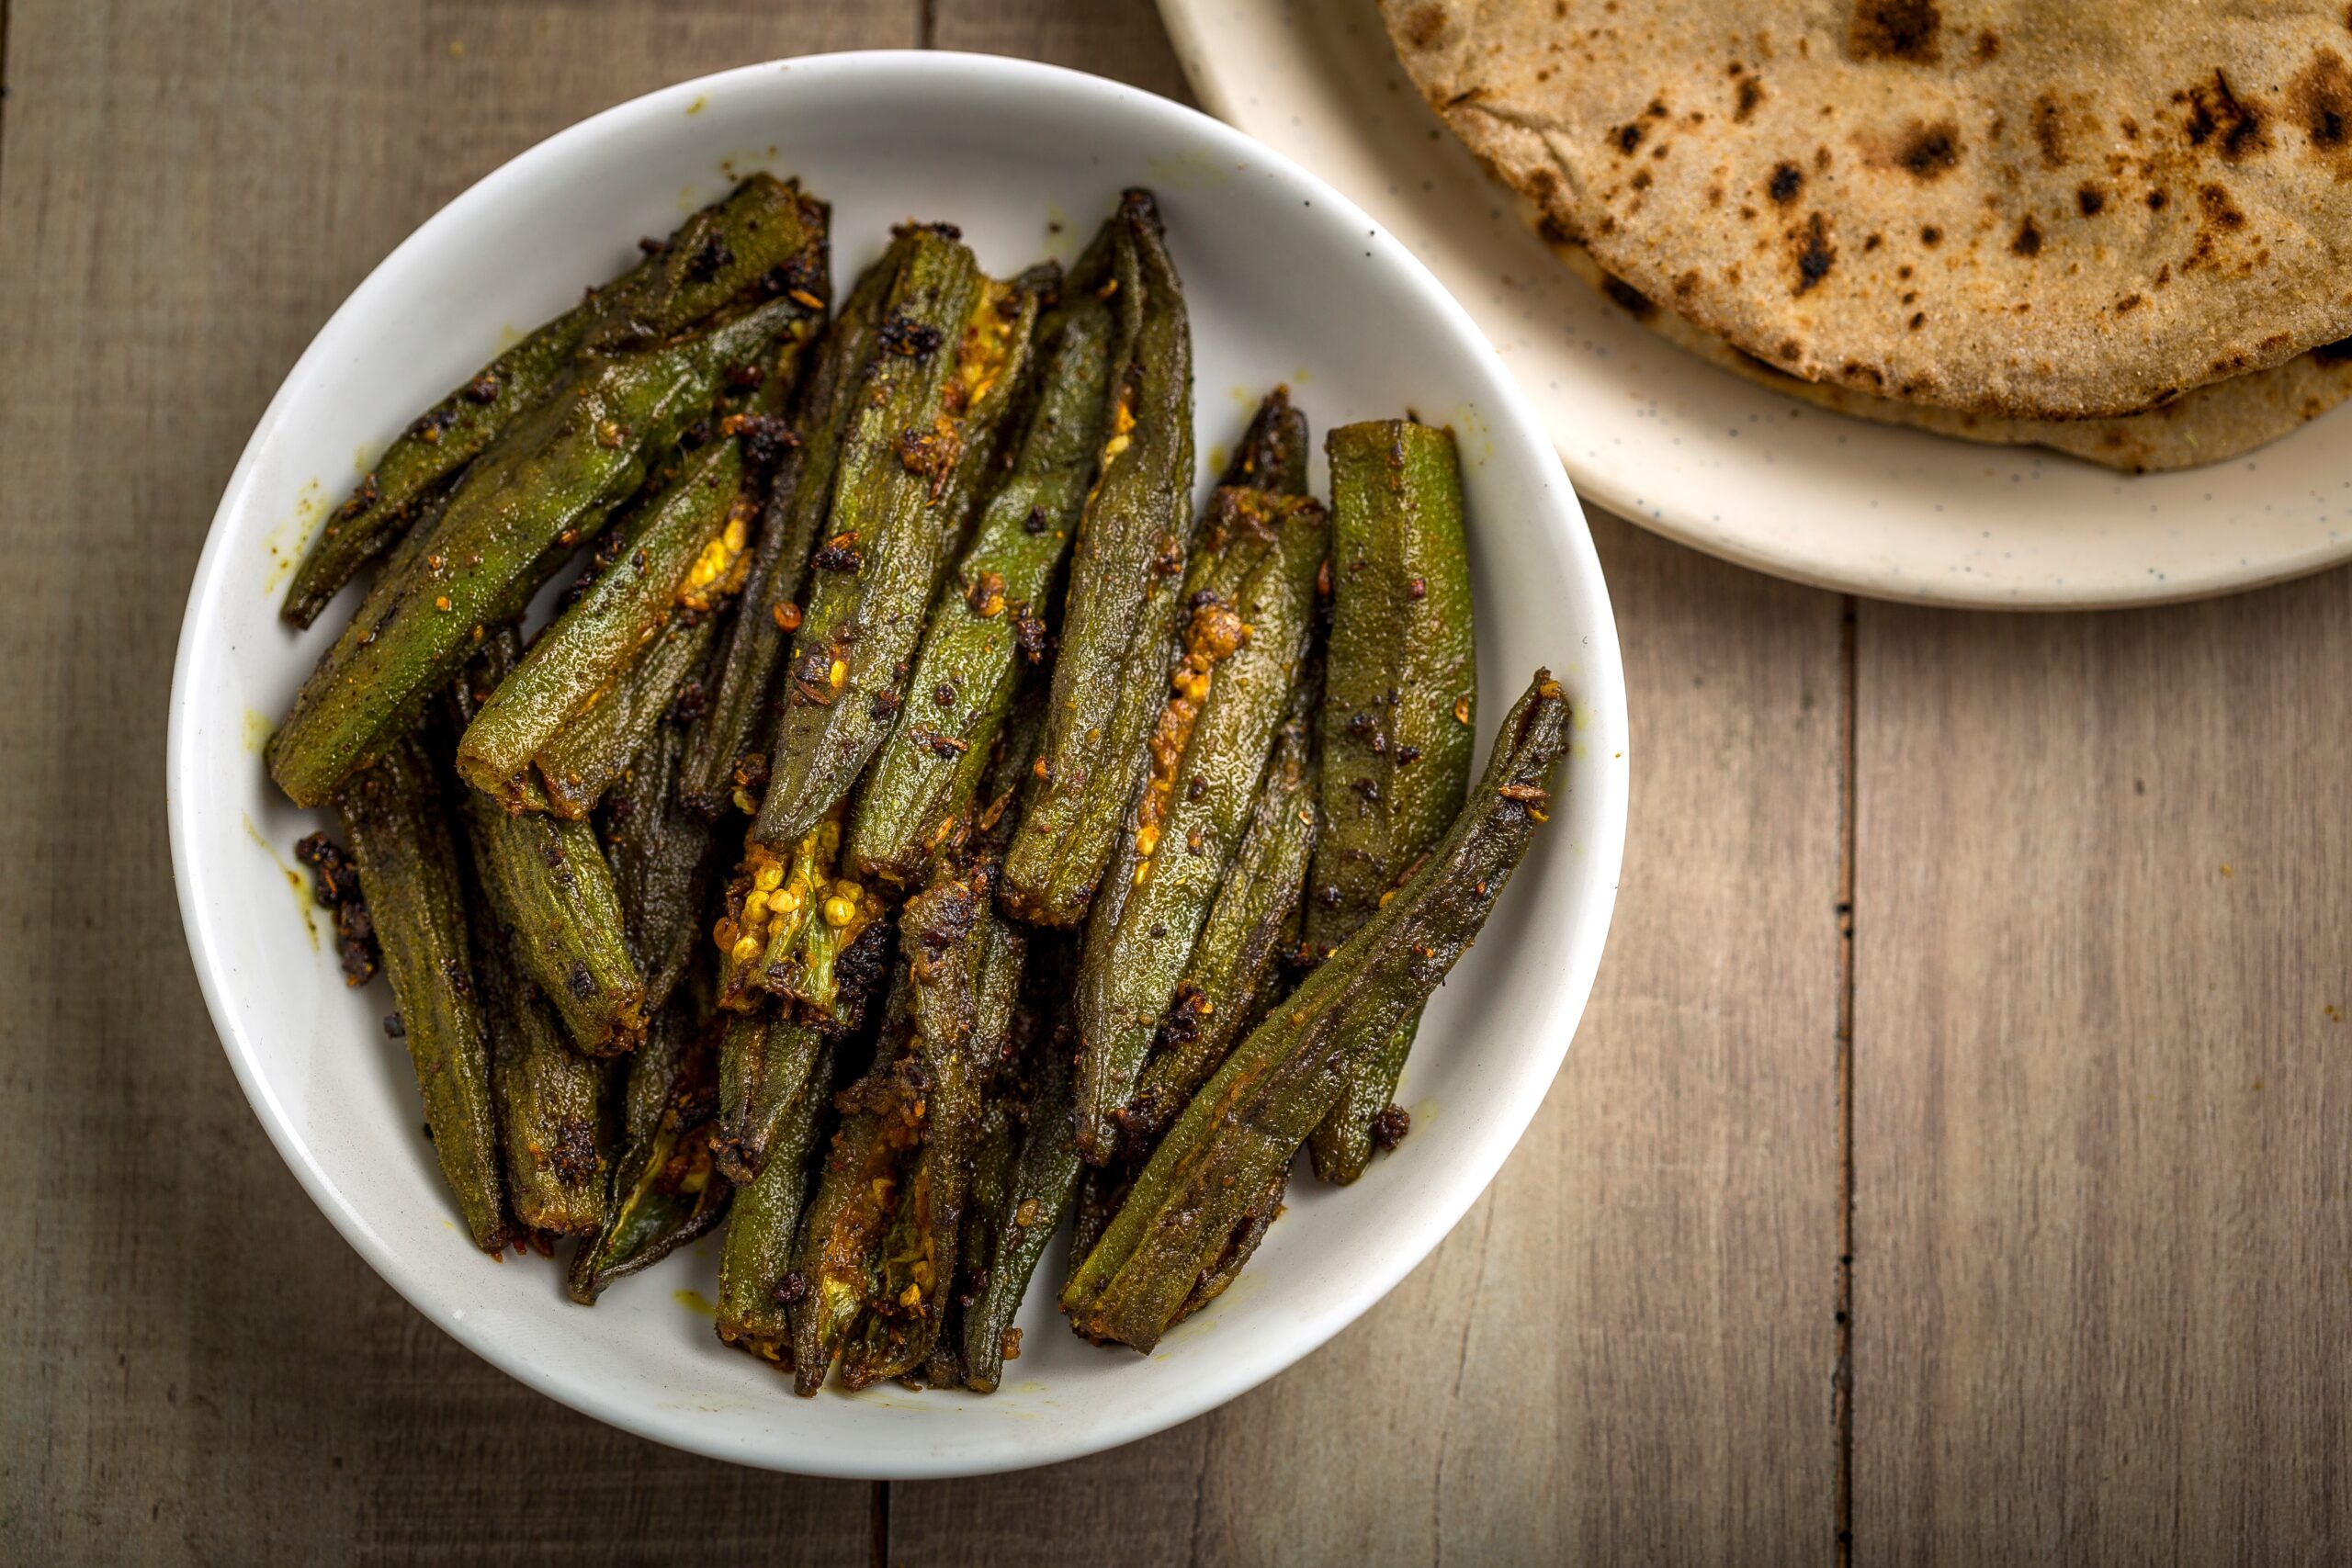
(192, 1365)
(2103, 1276)
(1623, 1353)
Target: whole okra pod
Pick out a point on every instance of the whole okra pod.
(589, 755)
(765, 1063)
(1195, 1195)
(1233, 970)
(950, 350)
(989, 620)
(1119, 623)
(1045, 1174)
(767, 231)
(736, 724)
(756, 1284)
(548, 480)
(665, 1191)
(1250, 598)
(393, 821)
(963, 971)
(551, 877)
(1397, 719)
(661, 856)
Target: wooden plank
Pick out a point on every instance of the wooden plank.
(192, 1364)
(2102, 1076)
(1624, 1354)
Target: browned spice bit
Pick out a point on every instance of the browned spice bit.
(482, 389)
(807, 300)
(884, 704)
(944, 745)
(1323, 579)
(335, 886)
(836, 554)
(986, 595)
(1035, 522)
(1419, 588)
(609, 432)
(1461, 708)
(395, 1026)
(787, 616)
(901, 334)
(791, 1289)
(1029, 635)
(1388, 1128)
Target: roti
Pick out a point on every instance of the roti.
(2003, 207)
(2214, 422)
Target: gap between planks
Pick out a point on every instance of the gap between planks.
(1841, 1382)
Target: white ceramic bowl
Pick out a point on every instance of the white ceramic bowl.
(1287, 282)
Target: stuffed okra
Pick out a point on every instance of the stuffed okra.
(1399, 715)
(1194, 1200)
(1127, 570)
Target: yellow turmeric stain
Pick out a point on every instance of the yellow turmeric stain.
(695, 1301)
(702, 102)
(286, 543)
(303, 900)
(258, 727)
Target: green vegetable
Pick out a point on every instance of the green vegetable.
(771, 235)
(1250, 593)
(1397, 719)
(789, 923)
(1119, 626)
(1232, 975)
(551, 880)
(735, 728)
(548, 481)
(756, 1284)
(765, 1065)
(964, 969)
(1196, 1197)
(949, 358)
(407, 868)
(989, 620)
(665, 1191)
(660, 855)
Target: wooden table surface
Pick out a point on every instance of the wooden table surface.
(1951, 1165)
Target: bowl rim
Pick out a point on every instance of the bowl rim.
(1247, 1365)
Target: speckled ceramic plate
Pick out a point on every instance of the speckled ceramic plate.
(1281, 274)
(1700, 455)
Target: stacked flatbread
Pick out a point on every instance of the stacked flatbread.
(2121, 230)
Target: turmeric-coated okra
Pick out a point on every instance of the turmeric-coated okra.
(1249, 597)
(766, 233)
(1044, 1177)
(661, 856)
(590, 754)
(1195, 1198)
(548, 1096)
(766, 1061)
(393, 820)
(1236, 962)
(788, 923)
(555, 892)
(987, 621)
(963, 971)
(548, 480)
(1126, 569)
(665, 1191)
(737, 723)
(948, 360)
(682, 550)
(756, 1284)
(1398, 711)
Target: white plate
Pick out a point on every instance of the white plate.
(1699, 454)
(1288, 281)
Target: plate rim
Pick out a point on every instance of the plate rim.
(1188, 25)
(1248, 1364)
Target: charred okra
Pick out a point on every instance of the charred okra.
(665, 1191)
(756, 1283)
(1232, 973)
(661, 855)
(989, 620)
(1194, 1199)
(548, 480)
(734, 726)
(408, 868)
(1119, 621)
(1399, 719)
(948, 360)
(765, 230)
(1250, 598)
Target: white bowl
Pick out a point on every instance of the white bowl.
(1288, 282)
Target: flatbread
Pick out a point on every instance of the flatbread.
(2214, 422)
(2033, 209)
